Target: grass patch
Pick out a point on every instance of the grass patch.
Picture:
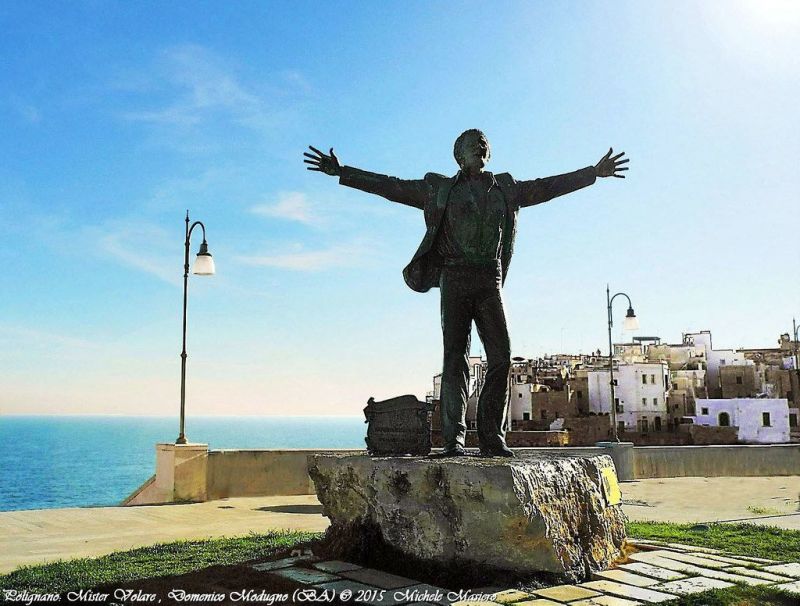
(763, 511)
(739, 539)
(149, 562)
(738, 596)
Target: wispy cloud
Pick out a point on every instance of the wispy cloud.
(299, 259)
(16, 334)
(28, 112)
(140, 247)
(197, 86)
(292, 206)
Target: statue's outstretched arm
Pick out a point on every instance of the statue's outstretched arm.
(542, 190)
(412, 192)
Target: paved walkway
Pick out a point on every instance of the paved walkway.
(773, 501)
(32, 537)
(653, 574)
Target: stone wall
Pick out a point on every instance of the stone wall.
(706, 434)
(187, 475)
(586, 431)
(716, 461)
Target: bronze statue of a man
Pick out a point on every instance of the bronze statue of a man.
(471, 221)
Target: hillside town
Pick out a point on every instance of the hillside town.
(681, 394)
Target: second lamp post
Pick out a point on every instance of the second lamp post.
(203, 266)
(630, 323)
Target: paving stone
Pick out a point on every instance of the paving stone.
(644, 542)
(623, 576)
(305, 576)
(538, 602)
(733, 561)
(691, 569)
(793, 587)
(367, 591)
(566, 593)
(475, 603)
(790, 570)
(381, 579)
(758, 560)
(510, 596)
(694, 548)
(605, 600)
(640, 594)
(657, 572)
(284, 563)
(695, 559)
(759, 574)
(335, 566)
(693, 585)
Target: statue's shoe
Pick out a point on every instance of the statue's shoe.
(498, 451)
(458, 451)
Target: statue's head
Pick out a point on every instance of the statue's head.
(471, 149)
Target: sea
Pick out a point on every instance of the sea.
(88, 461)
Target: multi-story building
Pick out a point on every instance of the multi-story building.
(640, 395)
(686, 386)
(715, 359)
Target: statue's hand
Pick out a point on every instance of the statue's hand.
(610, 165)
(322, 162)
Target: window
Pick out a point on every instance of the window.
(765, 419)
(739, 380)
(621, 426)
(652, 379)
(644, 425)
(704, 411)
(657, 423)
(644, 379)
(722, 362)
(675, 386)
(520, 395)
(616, 401)
(792, 419)
(526, 416)
(644, 401)
(655, 401)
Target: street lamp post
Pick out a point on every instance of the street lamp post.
(203, 266)
(630, 323)
(796, 392)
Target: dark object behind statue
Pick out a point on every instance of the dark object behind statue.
(398, 426)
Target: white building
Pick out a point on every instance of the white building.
(520, 403)
(714, 359)
(477, 373)
(640, 393)
(760, 420)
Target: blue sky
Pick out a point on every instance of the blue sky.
(117, 117)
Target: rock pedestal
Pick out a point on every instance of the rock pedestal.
(544, 513)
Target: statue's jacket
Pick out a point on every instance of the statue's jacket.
(431, 195)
